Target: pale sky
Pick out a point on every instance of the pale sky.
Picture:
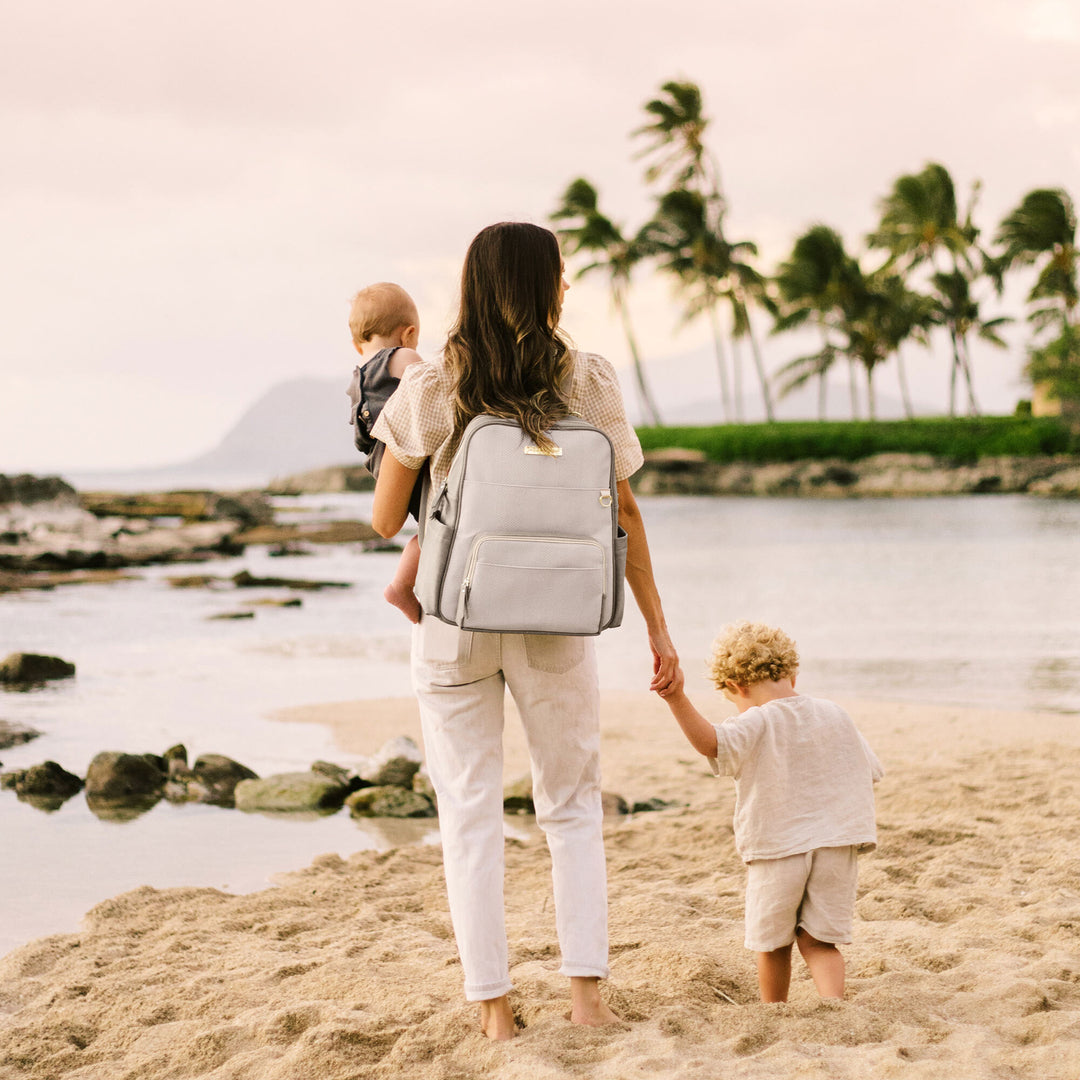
(192, 192)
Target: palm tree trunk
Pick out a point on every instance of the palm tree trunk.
(953, 372)
(755, 352)
(973, 407)
(736, 378)
(721, 362)
(823, 385)
(905, 393)
(648, 404)
(853, 389)
(871, 404)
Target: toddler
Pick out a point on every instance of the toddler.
(385, 328)
(804, 803)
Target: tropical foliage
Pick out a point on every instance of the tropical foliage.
(924, 278)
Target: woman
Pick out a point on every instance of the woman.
(506, 357)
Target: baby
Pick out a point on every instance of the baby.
(804, 803)
(385, 329)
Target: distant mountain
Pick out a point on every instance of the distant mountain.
(303, 423)
(296, 425)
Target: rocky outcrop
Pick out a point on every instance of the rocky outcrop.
(42, 533)
(685, 472)
(389, 801)
(247, 509)
(334, 478)
(32, 669)
(47, 780)
(114, 776)
(292, 792)
(15, 734)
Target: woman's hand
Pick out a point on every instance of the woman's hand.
(666, 669)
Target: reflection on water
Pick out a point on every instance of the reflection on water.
(974, 601)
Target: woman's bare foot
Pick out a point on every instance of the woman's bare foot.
(587, 1006)
(497, 1018)
(404, 599)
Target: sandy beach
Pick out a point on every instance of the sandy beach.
(966, 960)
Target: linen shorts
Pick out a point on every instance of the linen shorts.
(814, 890)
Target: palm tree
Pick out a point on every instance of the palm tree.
(677, 133)
(589, 231)
(921, 224)
(958, 311)
(710, 271)
(814, 284)
(1042, 229)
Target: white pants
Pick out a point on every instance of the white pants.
(460, 680)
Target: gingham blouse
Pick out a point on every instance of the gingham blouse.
(417, 423)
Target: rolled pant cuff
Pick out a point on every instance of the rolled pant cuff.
(487, 991)
(584, 971)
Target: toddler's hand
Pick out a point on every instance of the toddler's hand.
(675, 686)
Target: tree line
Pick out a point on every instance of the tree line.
(925, 270)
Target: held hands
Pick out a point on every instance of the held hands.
(665, 663)
(674, 688)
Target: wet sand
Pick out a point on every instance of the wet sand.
(965, 964)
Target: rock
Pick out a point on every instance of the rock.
(290, 792)
(338, 773)
(48, 780)
(27, 490)
(334, 478)
(395, 764)
(246, 580)
(518, 796)
(389, 801)
(28, 669)
(269, 601)
(647, 806)
(230, 616)
(9, 780)
(15, 734)
(614, 805)
(422, 785)
(217, 776)
(175, 754)
(326, 532)
(198, 581)
(246, 508)
(116, 776)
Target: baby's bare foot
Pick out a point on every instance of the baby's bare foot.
(404, 599)
(497, 1019)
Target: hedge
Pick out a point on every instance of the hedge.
(960, 439)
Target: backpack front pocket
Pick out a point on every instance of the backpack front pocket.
(533, 584)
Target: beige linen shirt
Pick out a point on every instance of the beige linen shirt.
(418, 421)
(804, 778)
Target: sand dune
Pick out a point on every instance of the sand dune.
(966, 962)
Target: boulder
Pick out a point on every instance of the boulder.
(518, 796)
(389, 801)
(422, 785)
(217, 776)
(15, 734)
(395, 764)
(613, 804)
(26, 490)
(646, 806)
(116, 776)
(48, 780)
(28, 669)
(290, 792)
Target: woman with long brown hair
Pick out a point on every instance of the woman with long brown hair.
(506, 357)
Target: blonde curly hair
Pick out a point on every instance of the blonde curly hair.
(748, 653)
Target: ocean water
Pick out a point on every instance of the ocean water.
(972, 601)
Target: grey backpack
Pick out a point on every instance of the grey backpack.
(520, 540)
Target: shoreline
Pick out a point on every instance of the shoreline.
(966, 960)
